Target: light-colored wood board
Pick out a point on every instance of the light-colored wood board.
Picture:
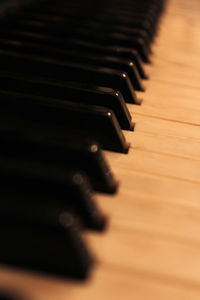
(156, 163)
(168, 112)
(160, 127)
(149, 251)
(156, 186)
(107, 282)
(168, 145)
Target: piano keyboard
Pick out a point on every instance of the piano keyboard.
(151, 246)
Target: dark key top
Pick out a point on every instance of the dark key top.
(77, 57)
(113, 39)
(40, 189)
(55, 47)
(65, 27)
(59, 16)
(56, 69)
(69, 91)
(23, 207)
(133, 56)
(56, 250)
(141, 15)
(136, 21)
(58, 120)
(73, 154)
(117, 39)
(128, 21)
(58, 24)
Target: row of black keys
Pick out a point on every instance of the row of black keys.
(67, 71)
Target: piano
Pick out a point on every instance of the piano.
(144, 239)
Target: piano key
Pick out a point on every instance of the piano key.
(38, 191)
(56, 47)
(80, 154)
(59, 120)
(134, 14)
(70, 91)
(119, 64)
(59, 23)
(123, 40)
(66, 9)
(133, 55)
(70, 6)
(51, 28)
(124, 21)
(75, 56)
(63, 27)
(139, 5)
(21, 208)
(101, 38)
(132, 22)
(145, 10)
(55, 250)
(131, 10)
(129, 31)
(56, 69)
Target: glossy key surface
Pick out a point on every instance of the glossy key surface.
(79, 154)
(55, 250)
(58, 120)
(69, 91)
(56, 69)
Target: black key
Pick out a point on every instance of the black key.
(113, 39)
(73, 154)
(118, 63)
(22, 207)
(136, 20)
(52, 13)
(75, 56)
(57, 250)
(89, 35)
(39, 192)
(64, 27)
(56, 69)
(132, 55)
(59, 24)
(80, 11)
(55, 47)
(69, 91)
(59, 120)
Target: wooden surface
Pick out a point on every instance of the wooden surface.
(152, 247)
